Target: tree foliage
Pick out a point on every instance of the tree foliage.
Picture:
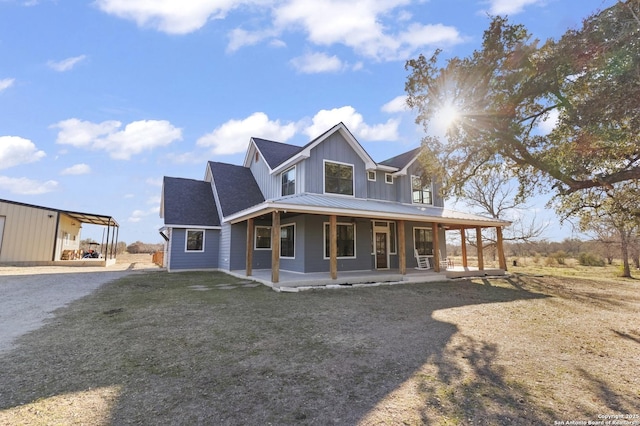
(502, 94)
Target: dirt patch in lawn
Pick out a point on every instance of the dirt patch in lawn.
(205, 348)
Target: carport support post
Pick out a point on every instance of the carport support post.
(463, 244)
(249, 260)
(275, 247)
(436, 247)
(501, 259)
(402, 249)
(480, 248)
(333, 246)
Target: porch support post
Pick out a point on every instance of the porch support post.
(463, 244)
(249, 257)
(436, 247)
(402, 249)
(275, 247)
(501, 259)
(480, 248)
(333, 246)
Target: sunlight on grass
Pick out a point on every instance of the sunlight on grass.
(92, 407)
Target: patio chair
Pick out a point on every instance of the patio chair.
(423, 261)
(445, 263)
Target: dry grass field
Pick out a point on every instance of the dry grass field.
(205, 348)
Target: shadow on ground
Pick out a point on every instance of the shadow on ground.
(170, 355)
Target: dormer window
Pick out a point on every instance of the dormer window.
(289, 181)
(338, 178)
(421, 190)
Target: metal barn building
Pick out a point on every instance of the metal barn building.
(33, 235)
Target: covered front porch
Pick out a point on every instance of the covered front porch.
(406, 219)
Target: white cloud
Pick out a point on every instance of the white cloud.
(325, 119)
(313, 63)
(25, 186)
(396, 105)
(138, 215)
(66, 64)
(509, 7)
(77, 169)
(15, 150)
(233, 136)
(359, 25)
(369, 27)
(170, 16)
(5, 83)
(136, 137)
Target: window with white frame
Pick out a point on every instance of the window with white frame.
(388, 178)
(263, 238)
(289, 181)
(421, 190)
(371, 175)
(346, 240)
(338, 178)
(288, 241)
(423, 240)
(195, 240)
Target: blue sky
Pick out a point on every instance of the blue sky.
(101, 99)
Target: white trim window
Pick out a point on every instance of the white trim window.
(288, 181)
(346, 240)
(262, 238)
(194, 241)
(421, 191)
(423, 240)
(288, 241)
(339, 178)
(371, 175)
(388, 178)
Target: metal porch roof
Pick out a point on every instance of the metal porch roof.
(346, 206)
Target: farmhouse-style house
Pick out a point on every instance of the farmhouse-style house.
(325, 207)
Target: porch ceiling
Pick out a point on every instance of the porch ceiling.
(357, 207)
(94, 219)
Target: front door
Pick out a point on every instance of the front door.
(382, 254)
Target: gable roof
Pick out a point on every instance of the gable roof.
(275, 153)
(305, 151)
(235, 186)
(403, 160)
(188, 202)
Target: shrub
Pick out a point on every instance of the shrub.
(590, 259)
(559, 256)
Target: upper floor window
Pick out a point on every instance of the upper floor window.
(338, 178)
(371, 175)
(388, 178)
(421, 190)
(289, 182)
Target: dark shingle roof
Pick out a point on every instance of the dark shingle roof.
(189, 202)
(400, 161)
(275, 153)
(237, 188)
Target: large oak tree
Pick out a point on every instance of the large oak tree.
(499, 96)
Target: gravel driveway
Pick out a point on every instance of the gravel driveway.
(29, 295)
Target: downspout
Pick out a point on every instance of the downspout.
(55, 237)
